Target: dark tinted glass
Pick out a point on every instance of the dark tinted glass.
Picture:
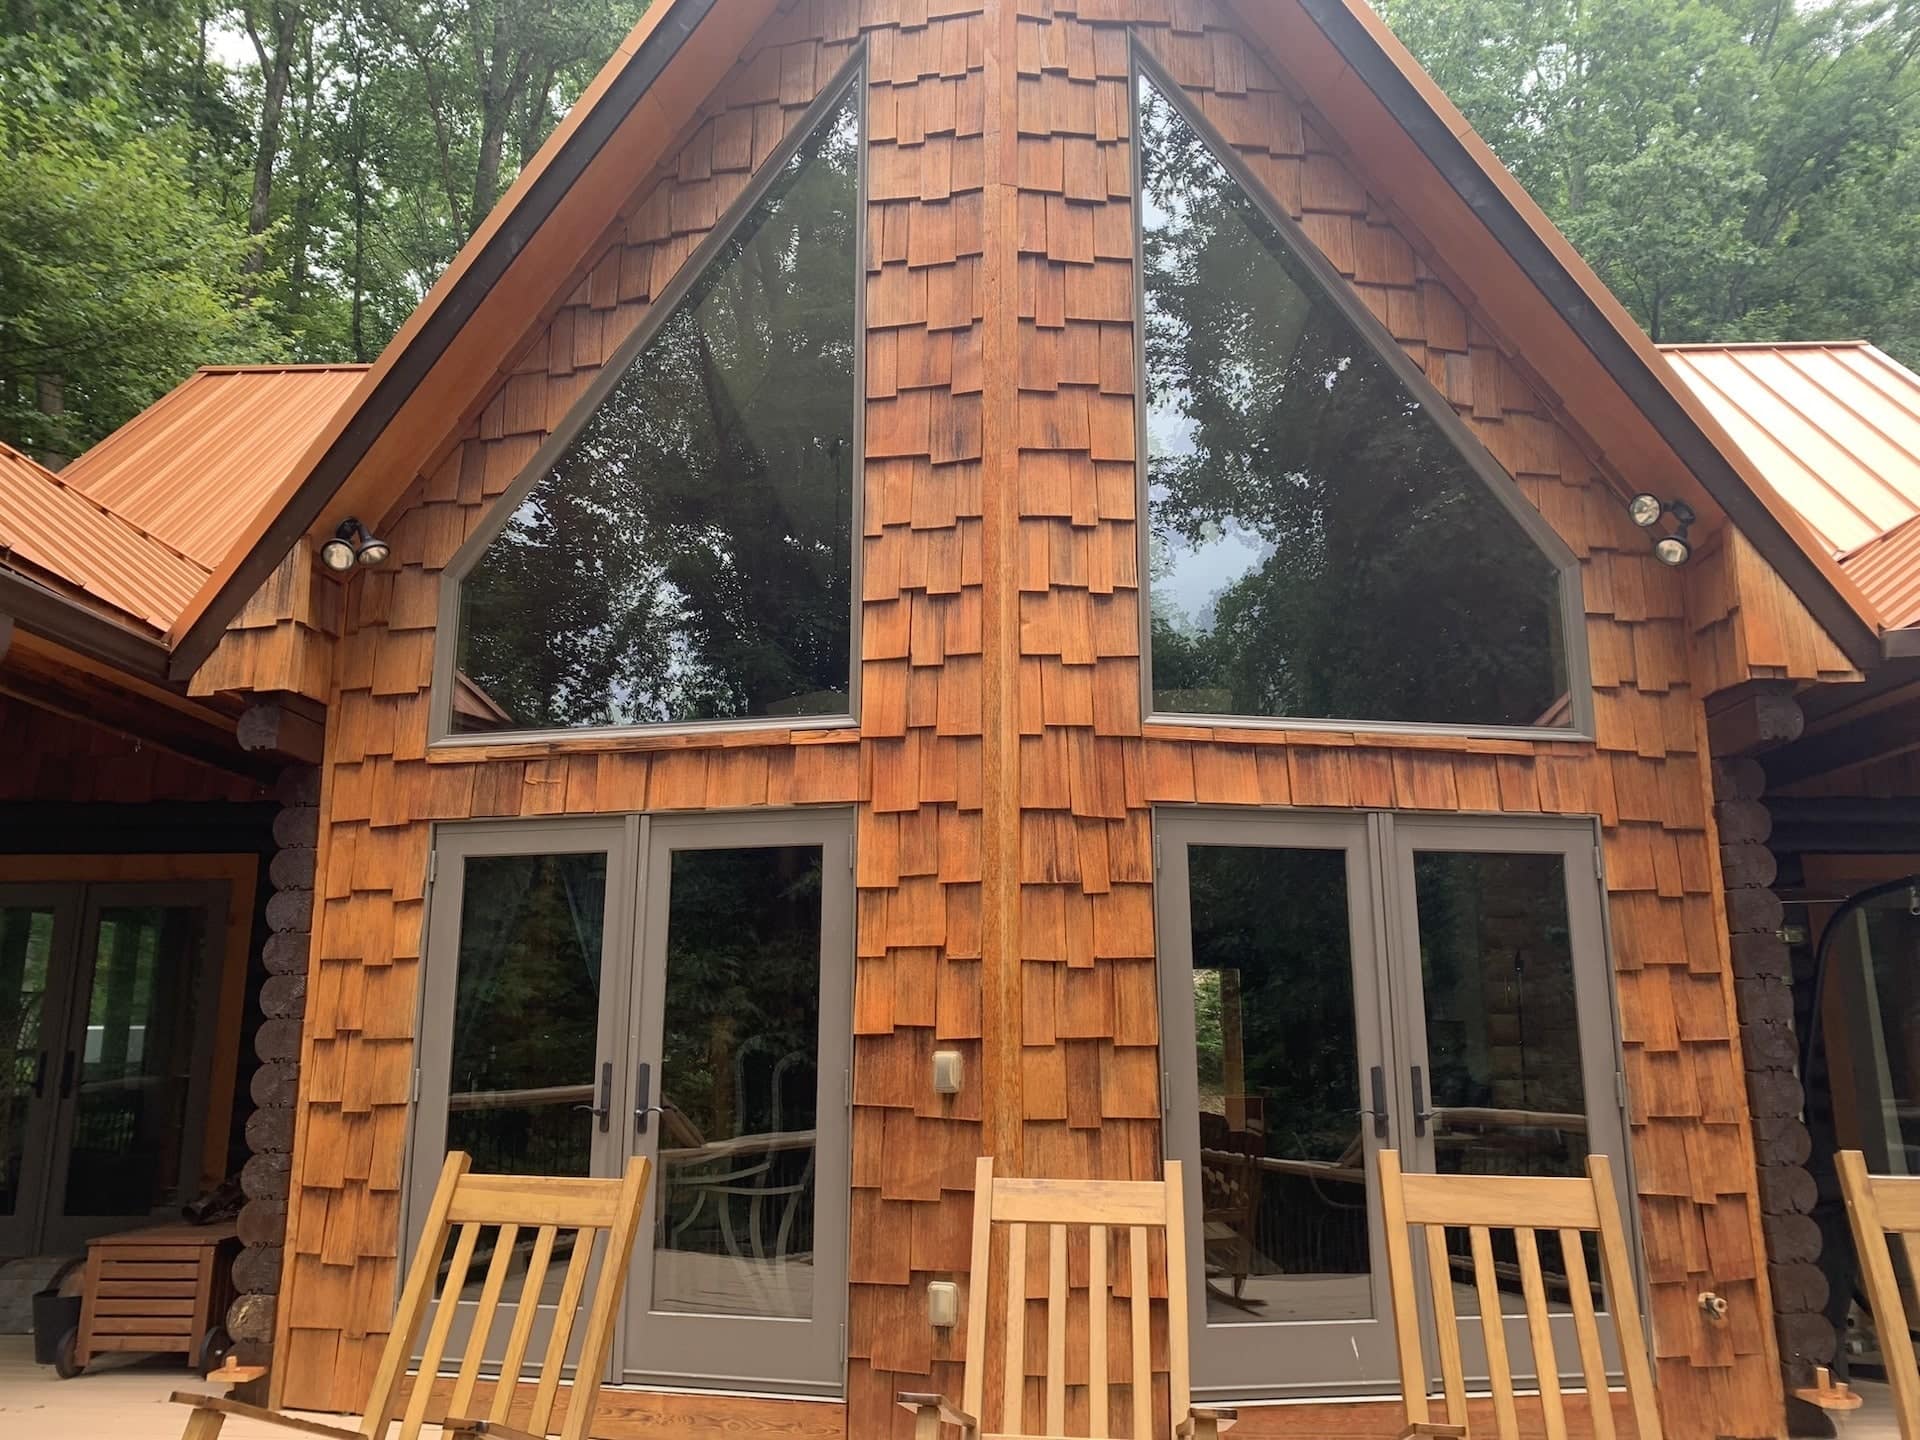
(526, 1013)
(689, 556)
(26, 946)
(1317, 545)
(1282, 1169)
(740, 1082)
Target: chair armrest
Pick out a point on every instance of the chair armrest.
(1433, 1430)
(245, 1411)
(451, 1429)
(1201, 1421)
(920, 1404)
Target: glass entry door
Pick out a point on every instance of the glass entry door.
(104, 1055)
(679, 988)
(1348, 982)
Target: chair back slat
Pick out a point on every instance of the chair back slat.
(1013, 1388)
(1533, 1287)
(502, 1211)
(1446, 1323)
(1586, 1329)
(1493, 1332)
(1098, 1300)
(1013, 1219)
(1879, 1206)
(525, 1314)
(1056, 1329)
(564, 1311)
(490, 1290)
(1141, 1306)
(1480, 1205)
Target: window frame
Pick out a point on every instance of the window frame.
(1338, 291)
(850, 80)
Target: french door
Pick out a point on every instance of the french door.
(679, 988)
(104, 1055)
(1335, 984)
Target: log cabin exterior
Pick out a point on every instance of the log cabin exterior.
(1003, 831)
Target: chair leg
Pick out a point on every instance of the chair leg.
(203, 1425)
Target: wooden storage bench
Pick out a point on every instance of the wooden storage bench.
(161, 1289)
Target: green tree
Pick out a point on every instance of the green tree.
(1733, 169)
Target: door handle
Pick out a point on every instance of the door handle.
(40, 1077)
(66, 1077)
(1421, 1114)
(642, 1098)
(603, 1112)
(1378, 1079)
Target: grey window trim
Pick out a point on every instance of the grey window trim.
(850, 80)
(1392, 942)
(1337, 289)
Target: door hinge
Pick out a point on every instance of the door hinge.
(1620, 1089)
(1159, 852)
(1599, 870)
(433, 867)
(416, 1084)
(849, 852)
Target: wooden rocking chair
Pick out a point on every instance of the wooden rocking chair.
(547, 1209)
(1879, 1206)
(1134, 1208)
(1480, 1204)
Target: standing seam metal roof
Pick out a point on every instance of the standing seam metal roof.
(71, 542)
(1834, 427)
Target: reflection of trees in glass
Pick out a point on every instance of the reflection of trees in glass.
(527, 1010)
(689, 557)
(26, 941)
(1279, 917)
(1502, 1018)
(1318, 546)
(743, 989)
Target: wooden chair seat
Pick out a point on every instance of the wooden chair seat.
(561, 1217)
(1524, 1205)
(1109, 1211)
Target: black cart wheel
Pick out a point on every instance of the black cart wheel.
(214, 1348)
(66, 1363)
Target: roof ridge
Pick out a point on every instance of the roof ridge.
(1666, 347)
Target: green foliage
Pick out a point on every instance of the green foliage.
(1733, 169)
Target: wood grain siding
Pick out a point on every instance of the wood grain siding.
(1749, 626)
(382, 794)
(1000, 435)
(53, 759)
(282, 639)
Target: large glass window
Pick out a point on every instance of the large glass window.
(1318, 544)
(689, 555)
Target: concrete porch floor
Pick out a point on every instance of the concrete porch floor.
(125, 1398)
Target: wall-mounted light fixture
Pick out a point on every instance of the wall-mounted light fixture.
(1673, 549)
(351, 545)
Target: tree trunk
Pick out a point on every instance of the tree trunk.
(276, 69)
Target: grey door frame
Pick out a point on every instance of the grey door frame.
(1238, 1361)
(20, 1230)
(651, 1348)
(1342, 1357)
(729, 1352)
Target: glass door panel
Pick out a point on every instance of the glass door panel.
(1509, 1029)
(743, 1018)
(132, 1076)
(35, 926)
(1269, 983)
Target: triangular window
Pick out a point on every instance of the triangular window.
(688, 556)
(1319, 545)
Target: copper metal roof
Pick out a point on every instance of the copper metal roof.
(197, 466)
(1834, 427)
(70, 542)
